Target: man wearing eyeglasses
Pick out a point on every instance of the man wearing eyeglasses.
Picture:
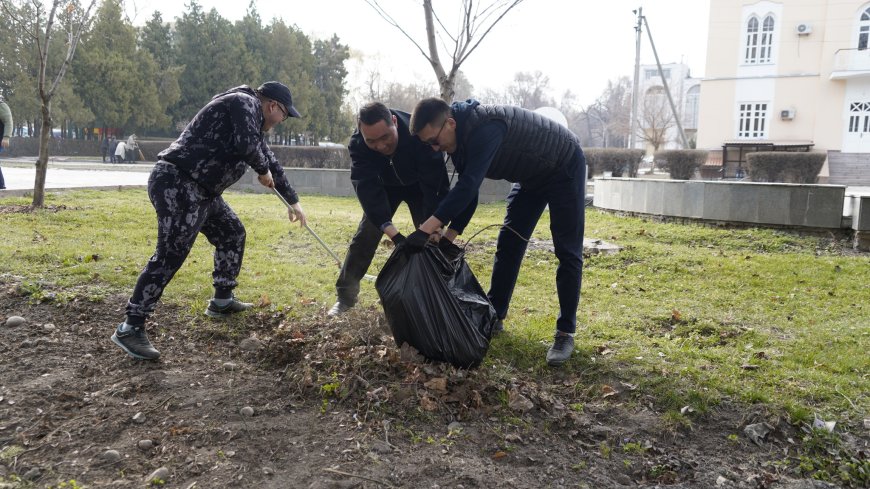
(213, 152)
(388, 167)
(544, 162)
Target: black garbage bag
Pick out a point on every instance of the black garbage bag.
(435, 304)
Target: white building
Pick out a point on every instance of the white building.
(789, 75)
(655, 121)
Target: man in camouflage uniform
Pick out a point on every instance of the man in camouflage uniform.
(212, 153)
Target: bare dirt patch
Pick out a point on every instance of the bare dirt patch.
(335, 404)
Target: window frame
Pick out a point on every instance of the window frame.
(752, 119)
(758, 39)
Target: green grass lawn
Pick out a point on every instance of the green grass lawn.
(690, 314)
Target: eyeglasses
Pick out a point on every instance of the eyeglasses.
(283, 111)
(434, 141)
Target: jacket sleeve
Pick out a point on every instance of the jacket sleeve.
(278, 176)
(248, 142)
(480, 148)
(433, 180)
(365, 175)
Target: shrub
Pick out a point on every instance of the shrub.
(681, 164)
(620, 162)
(289, 156)
(784, 166)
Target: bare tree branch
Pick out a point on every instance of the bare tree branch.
(513, 4)
(74, 34)
(475, 23)
(387, 17)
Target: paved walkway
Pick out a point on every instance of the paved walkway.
(20, 173)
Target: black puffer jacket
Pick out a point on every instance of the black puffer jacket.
(534, 147)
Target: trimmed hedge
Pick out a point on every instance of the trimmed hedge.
(19, 146)
(681, 164)
(289, 156)
(783, 166)
(619, 161)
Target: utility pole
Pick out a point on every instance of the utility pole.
(665, 85)
(632, 129)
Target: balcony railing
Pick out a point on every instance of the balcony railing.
(851, 63)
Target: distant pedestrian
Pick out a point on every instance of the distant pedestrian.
(113, 146)
(5, 132)
(104, 148)
(131, 148)
(120, 152)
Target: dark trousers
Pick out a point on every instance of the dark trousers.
(183, 211)
(565, 196)
(364, 243)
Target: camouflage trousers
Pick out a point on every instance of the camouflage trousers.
(183, 211)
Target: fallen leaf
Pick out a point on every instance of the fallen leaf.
(264, 301)
(607, 391)
(428, 404)
(676, 316)
(410, 354)
(604, 350)
(519, 402)
(499, 455)
(757, 432)
(760, 354)
(438, 384)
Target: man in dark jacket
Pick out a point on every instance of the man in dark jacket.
(104, 147)
(544, 161)
(388, 167)
(212, 153)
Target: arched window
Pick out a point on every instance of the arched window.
(759, 40)
(751, 40)
(864, 29)
(764, 51)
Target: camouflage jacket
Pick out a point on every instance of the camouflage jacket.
(222, 140)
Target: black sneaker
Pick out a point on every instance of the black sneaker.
(497, 328)
(234, 306)
(135, 342)
(560, 352)
(338, 309)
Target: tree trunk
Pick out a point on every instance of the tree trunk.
(42, 160)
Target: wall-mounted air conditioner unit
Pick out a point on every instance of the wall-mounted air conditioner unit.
(787, 114)
(803, 29)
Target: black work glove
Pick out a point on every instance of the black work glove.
(448, 249)
(417, 240)
(398, 239)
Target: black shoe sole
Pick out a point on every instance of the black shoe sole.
(221, 315)
(133, 354)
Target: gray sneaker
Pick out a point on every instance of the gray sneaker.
(338, 309)
(560, 352)
(135, 342)
(235, 306)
